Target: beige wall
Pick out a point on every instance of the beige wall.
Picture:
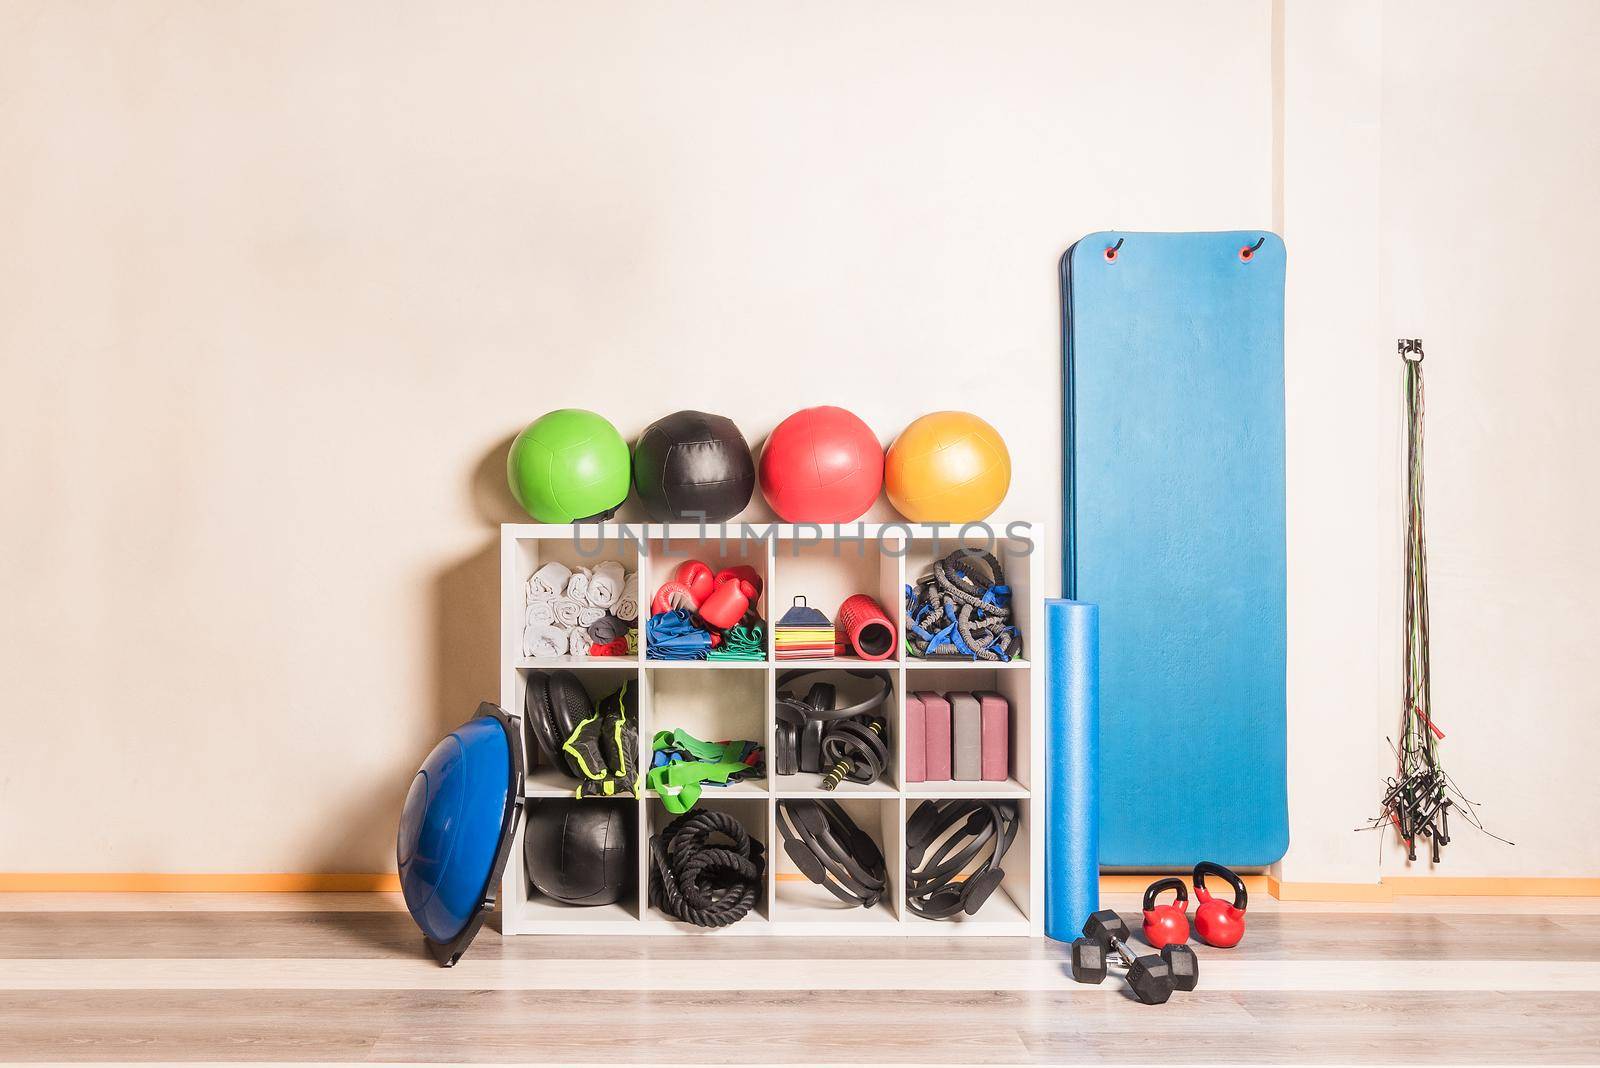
(279, 281)
(1491, 162)
(1329, 178)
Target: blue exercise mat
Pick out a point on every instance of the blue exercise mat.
(1174, 516)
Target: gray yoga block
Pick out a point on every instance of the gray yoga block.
(966, 737)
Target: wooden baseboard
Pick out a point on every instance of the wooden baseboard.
(160, 883)
(1328, 891)
(296, 882)
(1135, 884)
(1448, 886)
(1434, 886)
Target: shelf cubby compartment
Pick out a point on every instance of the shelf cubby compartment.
(849, 689)
(755, 816)
(711, 706)
(544, 779)
(1017, 547)
(1015, 905)
(798, 900)
(525, 548)
(1015, 686)
(669, 546)
(527, 911)
(825, 572)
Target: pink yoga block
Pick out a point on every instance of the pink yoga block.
(936, 725)
(996, 735)
(916, 741)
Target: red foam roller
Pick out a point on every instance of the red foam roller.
(866, 628)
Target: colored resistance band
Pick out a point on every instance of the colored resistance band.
(960, 611)
(683, 762)
(673, 636)
(831, 851)
(745, 641)
(969, 829)
(1419, 798)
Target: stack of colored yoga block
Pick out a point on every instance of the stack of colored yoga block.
(957, 737)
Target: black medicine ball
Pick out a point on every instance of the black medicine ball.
(579, 852)
(690, 465)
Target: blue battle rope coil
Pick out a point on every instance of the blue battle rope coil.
(961, 609)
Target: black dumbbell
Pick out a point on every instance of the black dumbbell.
(1153, 978)
(1105, 925)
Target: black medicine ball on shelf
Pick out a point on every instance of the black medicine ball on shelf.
(690, 465)
(579, 852)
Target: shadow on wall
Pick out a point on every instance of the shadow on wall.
(359, 835)
(466, 603)
(464, 661)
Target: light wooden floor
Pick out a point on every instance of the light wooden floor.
(341, 977)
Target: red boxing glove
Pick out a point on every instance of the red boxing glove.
(725, 607)
(672, 596)
(696, 577)
(749, 580)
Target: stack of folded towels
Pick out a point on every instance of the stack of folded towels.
(580, 611)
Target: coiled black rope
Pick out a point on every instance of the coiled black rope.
(705, 869)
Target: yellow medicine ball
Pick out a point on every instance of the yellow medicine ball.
(947, 467)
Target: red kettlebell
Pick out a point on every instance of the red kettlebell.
(1218, 923)
(1166, 925)
(696, 575)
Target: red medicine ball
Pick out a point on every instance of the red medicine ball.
(821, 465)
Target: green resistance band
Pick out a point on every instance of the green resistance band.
(678, 781)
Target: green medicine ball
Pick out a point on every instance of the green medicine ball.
(569, 466)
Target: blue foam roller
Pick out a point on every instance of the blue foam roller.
(1072, 767)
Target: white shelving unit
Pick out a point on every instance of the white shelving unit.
(714, 700)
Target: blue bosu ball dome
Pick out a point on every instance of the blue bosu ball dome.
(455, 830)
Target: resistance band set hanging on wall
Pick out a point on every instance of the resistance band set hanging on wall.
(1417, 802)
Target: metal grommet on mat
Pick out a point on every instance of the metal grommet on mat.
(1248, 252)
(1111, 250)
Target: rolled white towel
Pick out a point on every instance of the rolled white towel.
(579, 643)
(566, 610)
(538, 640)
(535, 596)
(588, 614)
(551, 578)
(605, 585)
(627, 606)
(578, 585)
(541, 613)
